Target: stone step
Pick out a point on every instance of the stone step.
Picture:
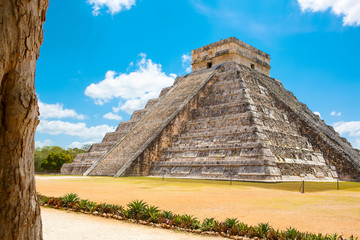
(226, 130)
(164, 91)
(227, 139)
(215, 152)
(114, 136)
(89, 156)
(211, 126)
(103, 146)
(126, 125)
(138, 114)
(222, 109)
(229, 117)
(151, 103)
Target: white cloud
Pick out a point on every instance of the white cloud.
(334, 113)
(186, 62)
(349, 9)
(357, 143)
(57, 111)
(113, 6)
(44, 143)
(352, 128)
(317, 113)
(133, 89)
(112, 116)
(95, 133)
(80, 144)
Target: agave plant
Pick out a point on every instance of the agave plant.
(69, 199)
(187, 220)
(333, 237)
(208, 224)
(262, 229)
(167, 215)
(177, 220)
(152, 213)
(292, 233)
(83, 204)
(353, 238)
(230, 222)
(90, 206)
(136, 209)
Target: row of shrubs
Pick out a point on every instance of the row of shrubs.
(141, 212)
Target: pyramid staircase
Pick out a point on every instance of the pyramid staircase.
(84, 161)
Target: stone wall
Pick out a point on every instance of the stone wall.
(230, 50)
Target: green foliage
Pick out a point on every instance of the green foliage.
(42, 161)
(230, 222)
(293, 233)
(69, 199)
(167, 215)
(208, 224)
(136, 209)
(262, 229)
(54, 161)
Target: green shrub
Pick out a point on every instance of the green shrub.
(136, 209)
(230, 222)
(69, 199)
(208, 224)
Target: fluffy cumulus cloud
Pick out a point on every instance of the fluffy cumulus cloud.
(113, 6)
(186, 62)
(57, 111)
(132, 89)
(317, 113)
(95, 133)
(352, 128)
(336, 114)
(44, 143)
(349, 9)
(80, 144)
(112, 116)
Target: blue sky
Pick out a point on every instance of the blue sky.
(101, 59)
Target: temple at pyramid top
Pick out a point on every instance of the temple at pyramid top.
(230, 50)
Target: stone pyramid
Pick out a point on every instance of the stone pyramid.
(227, 119)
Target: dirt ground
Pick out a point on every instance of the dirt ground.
(321, 208)
(62, 225)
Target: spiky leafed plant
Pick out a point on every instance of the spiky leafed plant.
(136, 208)
(177, 220)
(152, 213)
(293, 233)
(262, 229)
(167, 215)
(208, 224)
(230, 222)
(69, 199)
(333, 237)
(90, 206)
(196, 224)
(83, 204)
(353, 238)
(187, 221)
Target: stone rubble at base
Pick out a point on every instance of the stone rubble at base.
(228, 119)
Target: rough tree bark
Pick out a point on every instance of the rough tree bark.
(20, 38)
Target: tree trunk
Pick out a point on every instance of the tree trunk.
(20, 39)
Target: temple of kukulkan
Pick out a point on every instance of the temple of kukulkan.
(227, 119)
